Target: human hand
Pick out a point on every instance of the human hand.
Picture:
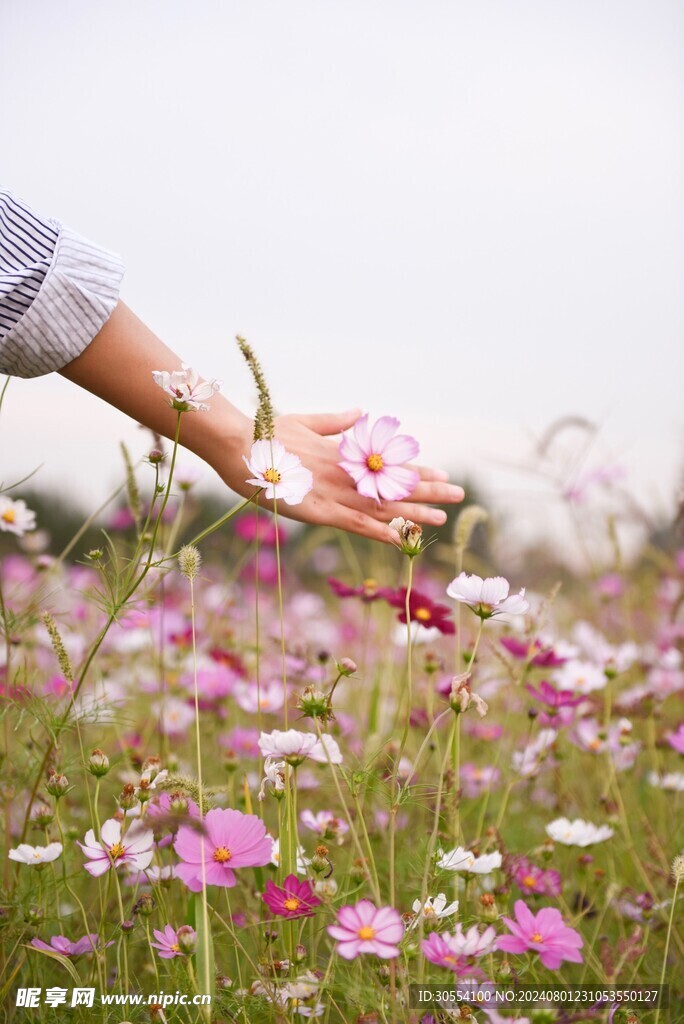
(334, 500)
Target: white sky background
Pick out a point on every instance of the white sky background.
(465, 214)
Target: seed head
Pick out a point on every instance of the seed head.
(189, 561)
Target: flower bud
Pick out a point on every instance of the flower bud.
(95, 554)
(300, 954)
(488, 908)
(178, 803)
(410, 534)
(320, 861)
(144, 905)
(98, 763)
(33, 916)
(127, 926)
(42, 815)
(127, 797)
(315, 704)
(156, 456)
(346, 667)
(187, 939)
(56, 785)
(326, 888)
(505, 970)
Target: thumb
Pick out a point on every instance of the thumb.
(330, 422)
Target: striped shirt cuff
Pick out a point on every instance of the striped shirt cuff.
(77, 297)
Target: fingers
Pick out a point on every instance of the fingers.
(356, 521)
(428, 473)
(438, 493)
(330, 422)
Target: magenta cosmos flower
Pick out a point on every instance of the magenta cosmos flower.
(422, 610)
(232, 840)
(366, 928)
(374, 458)
(544, 933)
(134, 849)
(171, 943)
(60, 944)
(292, 899)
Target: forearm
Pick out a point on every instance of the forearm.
(117, 367)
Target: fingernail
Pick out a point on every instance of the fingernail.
(438, 517)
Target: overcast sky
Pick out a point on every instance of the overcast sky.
(465, 214)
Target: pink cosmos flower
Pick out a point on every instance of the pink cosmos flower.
(374, 458)
(543, 933)
(134, 849)
(536, 652)
(326, 824)
(170, 945)
(233, 840)
(292, 899)
(278, 471)
(676, 739)
(476, 781)
(457, 951)
(251, 527)
(532, 879)
(368, 591)
(365, 928)
(60, 944)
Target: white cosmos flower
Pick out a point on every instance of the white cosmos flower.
(279, 472)
(487, 597)
(434, 908)
(528, 761)
(471, 943)
(185, 390)
(302, 861)
(290, 745)
(293, 747)
(25, 854)
(15, 517)
(577, 832)
(580, 676)
(671, 780)
(466, 861)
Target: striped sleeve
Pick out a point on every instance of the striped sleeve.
(56, 290)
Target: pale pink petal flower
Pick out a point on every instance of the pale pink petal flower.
(374, 459)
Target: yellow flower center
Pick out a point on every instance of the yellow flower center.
(117, 850)
(9, 515)
(374, 462)
(292, 903)
(222, 854)
(370, 584)
(529, 881)
(366, 932)
(594, 744)
(423, 614)
(272, 475)
(176, 948)
(537, 937)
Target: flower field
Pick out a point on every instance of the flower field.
(307, 776)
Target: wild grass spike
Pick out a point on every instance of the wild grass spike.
(263, 420)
